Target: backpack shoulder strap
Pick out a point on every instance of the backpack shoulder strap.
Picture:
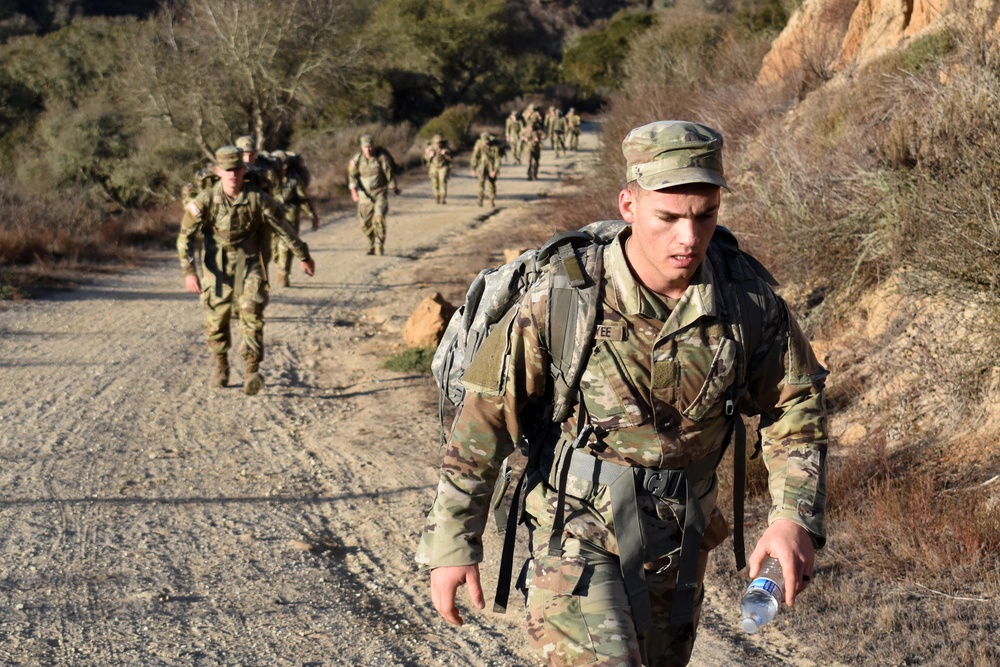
(746, 287)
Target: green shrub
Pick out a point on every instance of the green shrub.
(594, 62)
(453, 124)
(411, 360)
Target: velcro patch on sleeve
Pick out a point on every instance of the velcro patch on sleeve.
(193, 209)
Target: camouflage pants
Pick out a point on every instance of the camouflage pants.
(574, 140)
(439, 182)
(578, 612)
(559, 142)
(487, 183)
(534, 154)
(218, 296)
(282, 253)
(517, 148)
(371, 215)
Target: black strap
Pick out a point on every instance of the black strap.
(507, 554)
(739, 489)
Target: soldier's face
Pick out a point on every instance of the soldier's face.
(671, 230)
(368, 151)
(232, 180)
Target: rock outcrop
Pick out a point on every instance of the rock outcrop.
(826, 36)
(428, 321)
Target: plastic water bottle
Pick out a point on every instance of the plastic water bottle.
(760, 601)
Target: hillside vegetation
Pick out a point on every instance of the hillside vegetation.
(869, 189)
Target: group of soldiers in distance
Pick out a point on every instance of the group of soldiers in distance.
(524, 132)
(245, 211)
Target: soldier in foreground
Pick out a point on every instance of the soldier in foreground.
(487, 157)
(233, 218)
(655, 402)
(291, 194)
(370, 174)
(438, 158)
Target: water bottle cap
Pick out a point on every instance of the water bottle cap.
(749, 626)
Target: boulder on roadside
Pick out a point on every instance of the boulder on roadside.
(427, 322)
(510, 254)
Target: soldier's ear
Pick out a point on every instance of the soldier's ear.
(626, 204)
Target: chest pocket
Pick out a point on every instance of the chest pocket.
(718, 376)
(609, 390)
(232, 224)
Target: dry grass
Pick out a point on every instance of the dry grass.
(65, 231)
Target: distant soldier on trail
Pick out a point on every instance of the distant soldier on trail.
(555, 126)
(573, 123)
(261, 173)
(370, 174)
(438, 158)
(233, 218)
(532, 118)
(512, 132)
(532, 137)
(291, 194)
(486, 158)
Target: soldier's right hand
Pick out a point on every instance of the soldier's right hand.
(192, 284)
(354, 195)
(308, 267)
(445, 582)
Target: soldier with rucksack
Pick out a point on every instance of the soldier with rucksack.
(438, 158)
(487, 156)
(370, 175)
(621, 371)
(573, 125)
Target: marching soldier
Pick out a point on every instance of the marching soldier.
(233, 218)
(370, 175)
(291, 194)
(486, 158)
(438, 158)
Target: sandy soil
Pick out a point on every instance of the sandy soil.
(147, 519)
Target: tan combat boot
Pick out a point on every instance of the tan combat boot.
(221, 377)
(380, 248)
(253, 382)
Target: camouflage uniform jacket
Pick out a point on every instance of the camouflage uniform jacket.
(654, 389)
(573, 122)
(372, 176)
(292, 195)
(437, 157)
(486, 155)
(232, 225)
(512, 129)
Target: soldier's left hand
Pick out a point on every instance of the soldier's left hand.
(493, 174)
(308, 266)
(791, 544)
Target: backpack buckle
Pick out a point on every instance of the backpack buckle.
(662, 483)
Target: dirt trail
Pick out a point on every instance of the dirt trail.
(146, 519)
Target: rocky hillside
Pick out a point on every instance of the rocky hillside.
(824, 37)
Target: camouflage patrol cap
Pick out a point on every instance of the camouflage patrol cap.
(280, 155)
(246, 143)
(229, 157)
(484, 135)
(437, 139)
(367, 140)
(673, 152)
